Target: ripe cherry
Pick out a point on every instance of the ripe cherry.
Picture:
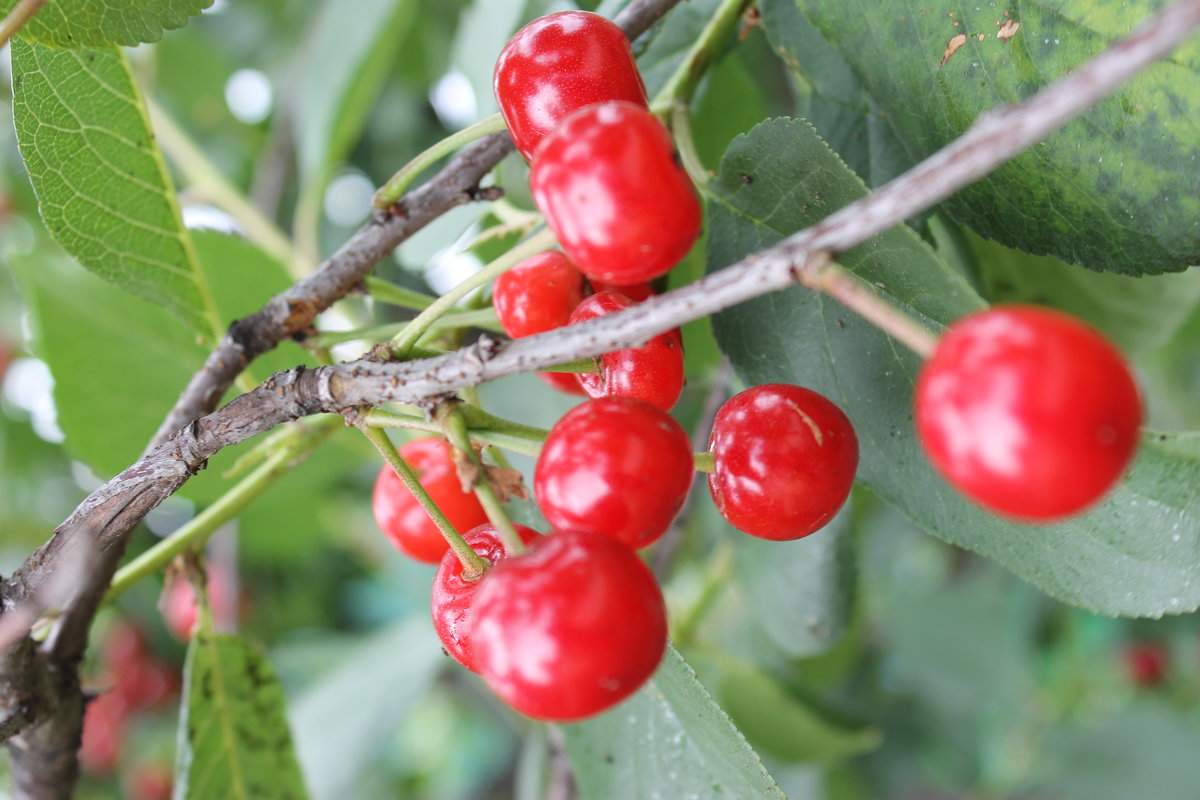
(104, 722)
(539, 295)
(611, 189)
(784, 461)
(1028, 412)
(179, 603)
(450, 600)
(570, 628)
(653, 372)
(402, 519)
(614, 466)
(558, 64)
(636, 292)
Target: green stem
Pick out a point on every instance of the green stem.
(303, 438)
(484, 318)
(207, 180)
(473, 565)
(16, 19)
(704, 462)
(716, 578)
(404, 341)
(390, 293)
(681, 127)
(455, 427)
(391, 191)
(680, 87)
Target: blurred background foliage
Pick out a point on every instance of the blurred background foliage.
(870, 661)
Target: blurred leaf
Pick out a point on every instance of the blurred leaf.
(233, 735)
(801, 593)
(730, 102)
(1115, 190)
(342, 70)
(1139, 314)
(1146, 750)
(668, 740)
(785, 727)
(99, 23)
(666, 44)
(1128, 556)
(381, 679)
(101, 184)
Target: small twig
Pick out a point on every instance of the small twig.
(16, 19)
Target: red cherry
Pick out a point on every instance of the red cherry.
(103, 733)
(1146, 663)
(1028, 412)
(614, 466)
(652, 372)
(570, 628)
(539, 295)
(402, 519)
(179, 603)
(450, 601)
(636, 292)
(611, 189)
(558, 64)
(124, 647)
(784, 461)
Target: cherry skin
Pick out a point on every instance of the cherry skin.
(653, 372)
(179, 603)
(570, 628)
(539, 295)
(1146, 663)
(104, 723)
(611, 189)
(784, 459)
(558, 64)
(1027, 411)
(614, 466)
(402, 519)
(636, 292)
(450, 600)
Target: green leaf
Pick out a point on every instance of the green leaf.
(340, 75)
(1138, 314)
(101, 184)
(1129, 556)
(100, 23)
(785, 726)
(1115, 190)
(668, 740)
(381, 680)
(801, 593)
(233, 735)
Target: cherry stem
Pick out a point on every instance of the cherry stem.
(681, 127)
(473, 564)
(705, 462)
(451, 418)
(395, 295)
(680, 87)
(391, 191)
(404, 341)
(484, 318)
(822, 274)
(295, 443)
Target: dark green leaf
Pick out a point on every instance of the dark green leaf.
(233, 735)
(100, 23)
(801, 593)
(101, 184)
(1116, 190)
(668, 740)
(1127, 556)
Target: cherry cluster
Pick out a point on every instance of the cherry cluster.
(1027, 411)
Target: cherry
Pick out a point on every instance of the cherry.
(450, 601)
(1028, 412)
(539, 295)
(653, 372)
(614, 466)
(179, 603)
(402, 519)
(570, 628)
(1146, 663)
(103, 731)
(611, 189)
(636, 292)
(560, 63)
(784, 459)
